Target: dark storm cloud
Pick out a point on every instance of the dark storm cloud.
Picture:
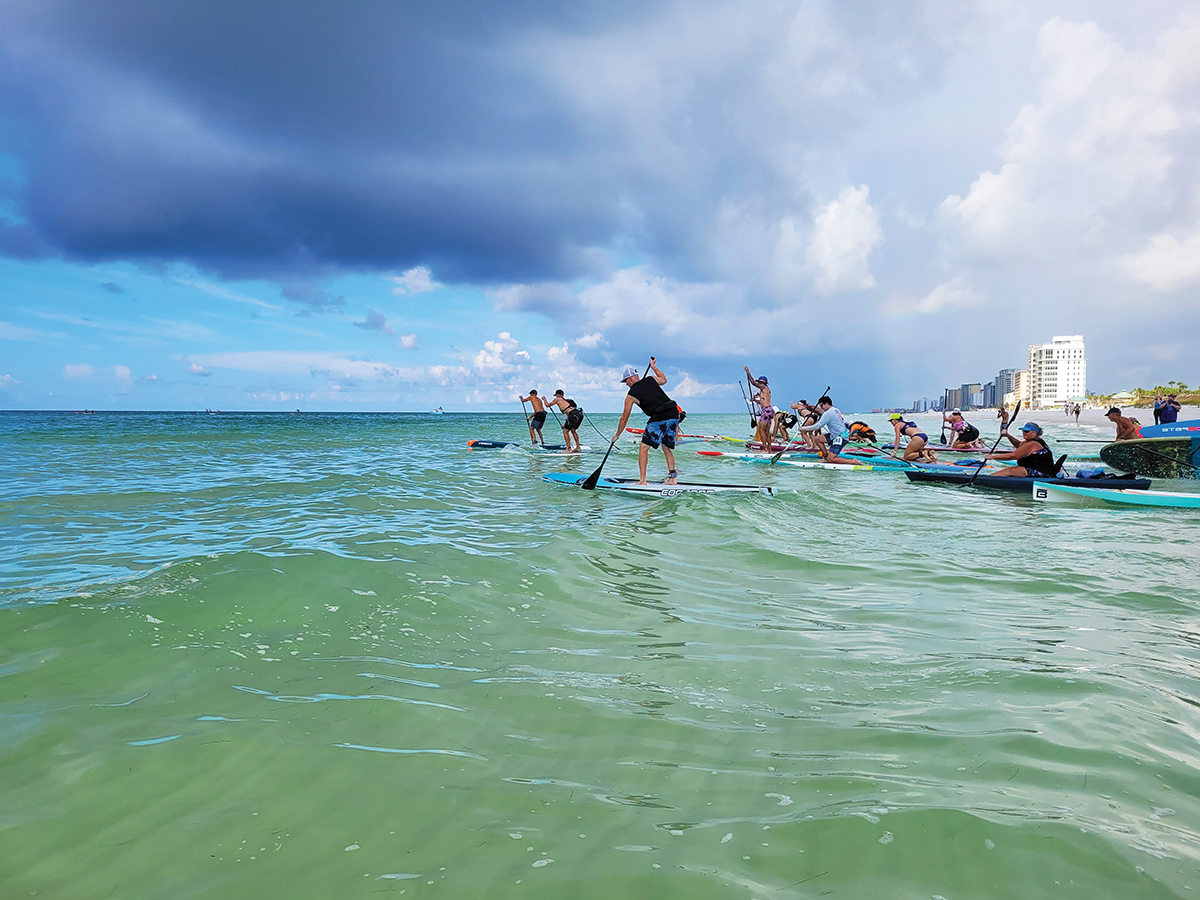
(491, 142)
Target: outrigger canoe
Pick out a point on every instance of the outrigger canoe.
(1018, 483)
(1078, 495)
(656, 488)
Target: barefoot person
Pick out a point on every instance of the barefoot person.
(648, 394)
(916, 451)
(572, 419)
(1032, 455)
(766, 412)
(966, 435)
(538, 419)
(831, 433)
(1127, 429)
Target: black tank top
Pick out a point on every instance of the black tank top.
(653, 400)
(1040, 461)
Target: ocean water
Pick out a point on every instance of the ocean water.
(320, 656)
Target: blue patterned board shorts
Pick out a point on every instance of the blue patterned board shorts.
(660, 433)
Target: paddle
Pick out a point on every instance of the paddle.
(589, 483)
(775, 458)
(531, 437)
(749, 408)
(983, 462)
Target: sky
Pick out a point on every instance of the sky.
(401, 206)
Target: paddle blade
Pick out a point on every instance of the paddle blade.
(589, 483)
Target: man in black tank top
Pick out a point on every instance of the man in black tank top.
(648, 394)
(1032, 455)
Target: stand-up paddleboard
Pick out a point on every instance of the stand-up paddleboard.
(1019, 482)
(1190, 428)
(810, 460)
(657, 488)
(559, 450)
(500, 445)
(1088, 496)
(1175, 455)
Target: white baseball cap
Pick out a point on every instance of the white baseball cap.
(628, 372)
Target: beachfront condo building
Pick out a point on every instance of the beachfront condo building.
(1057, 373)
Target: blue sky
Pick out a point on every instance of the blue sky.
(387, 206)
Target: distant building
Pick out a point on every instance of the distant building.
(1006, 381)
(1057, 372)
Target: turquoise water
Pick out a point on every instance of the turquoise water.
(341, 656)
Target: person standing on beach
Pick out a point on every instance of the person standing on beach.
(1127, 429)
(538, 419)
(1158, 403)
(1170, 410)
(1078, 410)
(663, 412)
(572, 419)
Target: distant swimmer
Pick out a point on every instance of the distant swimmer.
(916, 451)
(1032, 454)
(572, 419)
(663, 412)
(537, 419)
(831, 433)
(1127, 429)
(966, 435)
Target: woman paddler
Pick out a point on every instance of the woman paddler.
(648, 394)
(916, 451)
(1032, 455)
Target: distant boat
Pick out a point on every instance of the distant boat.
(437, 412)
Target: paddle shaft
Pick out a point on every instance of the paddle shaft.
(983, 462)
(590, 483)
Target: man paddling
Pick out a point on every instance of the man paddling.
(572, 419)
(1127, 429)
(1032, 454)
(766, 412)
(538, 419)
(648, 394)
(831, 433)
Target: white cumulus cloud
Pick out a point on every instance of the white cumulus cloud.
(418, 280)
(845, 231)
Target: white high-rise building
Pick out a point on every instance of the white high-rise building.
(1057, 372)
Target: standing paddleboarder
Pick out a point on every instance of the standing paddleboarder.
(572, 418)
(538, 419)
(648, 394)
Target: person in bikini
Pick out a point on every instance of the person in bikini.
(916, 451)
(806, 415)
(766, 412)
(538, 419)
(572, 419)
(648, 395)
(1032, 455)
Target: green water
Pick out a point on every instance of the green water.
(341, 656)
